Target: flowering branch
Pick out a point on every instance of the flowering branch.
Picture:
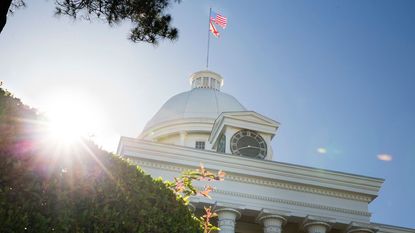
(183, 187)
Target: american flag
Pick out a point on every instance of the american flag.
(219, 19)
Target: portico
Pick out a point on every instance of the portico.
(266, 196)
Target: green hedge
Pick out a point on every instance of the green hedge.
(78, 189)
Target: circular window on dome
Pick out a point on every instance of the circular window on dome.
(248, 143)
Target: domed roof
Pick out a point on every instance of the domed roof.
(205, 101)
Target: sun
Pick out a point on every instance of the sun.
(72, 116)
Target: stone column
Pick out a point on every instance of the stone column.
(317, 224)
(272, 223)
(316, 227)
(226, 219)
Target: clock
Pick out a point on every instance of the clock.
(248, 143)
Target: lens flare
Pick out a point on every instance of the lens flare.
(384, 157)
(321, 150)
(71, 117)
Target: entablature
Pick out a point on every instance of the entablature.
(261, 172)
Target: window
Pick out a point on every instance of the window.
(222, 144)
(200, 145)
(205, 82)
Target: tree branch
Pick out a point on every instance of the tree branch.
(4, 9)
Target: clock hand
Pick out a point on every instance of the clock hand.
(255, 147)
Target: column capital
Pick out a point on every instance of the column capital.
(360, 227)
(272, 223)
(272, 216)
(228, 209)
(272, 213)
(228, 206)
(311, 223)
(227, 217)
(272, 220)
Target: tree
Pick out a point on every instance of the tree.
(77, 189)
(150, 21)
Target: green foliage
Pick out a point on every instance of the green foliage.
(47, 188)
(148, 17)
(183, 185)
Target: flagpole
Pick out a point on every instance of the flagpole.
(208, 42)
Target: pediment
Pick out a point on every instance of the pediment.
(249, 116)
(244, 120)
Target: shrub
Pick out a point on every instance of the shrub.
(47, 188)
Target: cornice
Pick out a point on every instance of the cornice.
(260, 181)
(270, 173)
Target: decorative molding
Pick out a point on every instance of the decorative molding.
(315, 218)
(262, 169)
(265, 182)
(291, 202)
(300, 188)
(177, 168)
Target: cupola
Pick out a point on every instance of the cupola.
(206, 79)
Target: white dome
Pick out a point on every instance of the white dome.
(206, 103)
(194, 110)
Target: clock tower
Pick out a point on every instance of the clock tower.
(243, 133)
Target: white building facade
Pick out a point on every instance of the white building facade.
(205, 125)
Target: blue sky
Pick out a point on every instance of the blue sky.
(338, 75)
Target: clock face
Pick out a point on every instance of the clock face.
(248, 143)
